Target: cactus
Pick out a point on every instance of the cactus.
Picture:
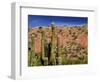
(59, 56)
(32, 49)
(52, 55)
(42, 44)
(44, 59)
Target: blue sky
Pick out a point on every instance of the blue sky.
(40, 20)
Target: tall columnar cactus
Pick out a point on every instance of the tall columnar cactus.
(52, 55)
(59, 57)
(32, 49)
(43, 57)
(42, 44)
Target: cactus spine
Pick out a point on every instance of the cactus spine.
(52, 55)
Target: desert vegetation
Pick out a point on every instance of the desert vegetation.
(57, 45)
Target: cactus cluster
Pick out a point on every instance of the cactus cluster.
(53, 51)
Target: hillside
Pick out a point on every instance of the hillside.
(73, 42)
